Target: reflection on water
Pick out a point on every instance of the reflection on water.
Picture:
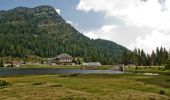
(41, 71)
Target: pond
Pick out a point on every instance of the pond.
(44, 71)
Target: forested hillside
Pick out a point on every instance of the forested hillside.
(41, 31)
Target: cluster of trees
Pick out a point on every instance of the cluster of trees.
(167, 66)
(139, 58)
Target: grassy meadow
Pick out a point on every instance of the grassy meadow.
(86, 87)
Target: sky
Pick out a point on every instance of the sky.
(132, 23)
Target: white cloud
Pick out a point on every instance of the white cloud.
(155, 39)
(58, 11)
(152, 15)
(124, 35)
(72, 23)
(148, 13)
(108, 6)
(104, 32)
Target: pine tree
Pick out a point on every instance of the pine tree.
(148, 60)
(158, 56)
(135, 57)
(143, 58)
(1, 63)
(168, 62)
(124, 58)
(139, 57)
(165, 56)
(153, 58)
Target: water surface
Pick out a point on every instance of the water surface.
(44, 71)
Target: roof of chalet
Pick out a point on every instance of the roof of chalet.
(61, 56)
(64, 55)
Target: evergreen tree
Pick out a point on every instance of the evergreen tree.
(135, 57)
(165, 58)
(158, 56)
(1, 63)
(153, 58)
(139, 57)
(143, 58)
(168, 62)
(127, 58)
(149, 60)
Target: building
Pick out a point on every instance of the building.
(91, 64)
(62, 59)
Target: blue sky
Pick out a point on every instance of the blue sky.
(131, 23)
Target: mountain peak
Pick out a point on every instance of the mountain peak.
(45, 8)
(47, 13)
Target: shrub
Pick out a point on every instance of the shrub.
(73, 75)
(63, 75)
(137, 67)
(167, 66)
(70, 75)
(3, 83)
(38, 83)
(159, 68)
(167, 80)
(162, 92)
(55, 85)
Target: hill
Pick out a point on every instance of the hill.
(43, 32)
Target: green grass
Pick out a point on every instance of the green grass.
(104, 67)
(50, 66)
(87, 87)
(146, 69)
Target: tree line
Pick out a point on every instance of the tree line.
(139, 57)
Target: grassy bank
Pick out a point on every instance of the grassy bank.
(50, 66)
(103, 67)
(147, 69)
(86, 87)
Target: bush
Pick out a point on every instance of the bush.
(55, 85)
(167, 80)
(136, 67)
(3, 83)
(167, 66)
(38, 83)
(159, 68)
(73, 75)
(162, 92)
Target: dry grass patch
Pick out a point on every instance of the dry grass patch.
(83, 87)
